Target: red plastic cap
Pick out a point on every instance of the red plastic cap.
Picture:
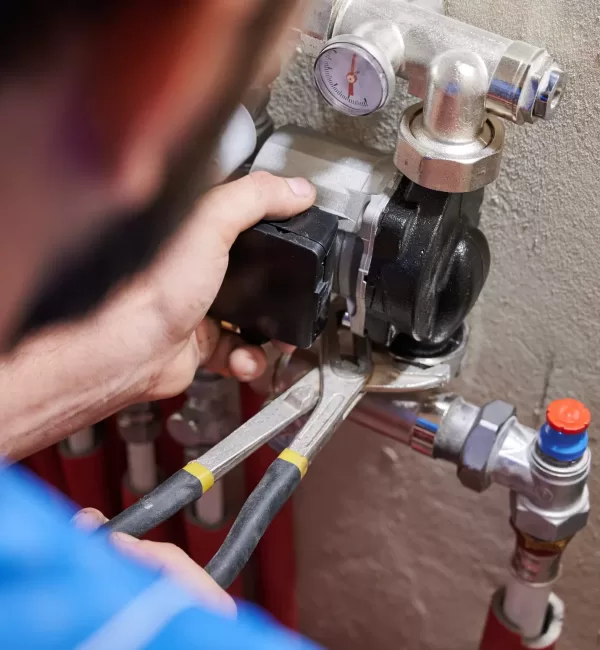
(568, 416)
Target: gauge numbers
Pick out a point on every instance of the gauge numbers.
(351, 80)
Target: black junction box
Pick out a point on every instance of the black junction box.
(279, 280)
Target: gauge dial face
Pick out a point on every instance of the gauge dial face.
(351, 80)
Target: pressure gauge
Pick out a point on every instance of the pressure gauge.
(354, 76)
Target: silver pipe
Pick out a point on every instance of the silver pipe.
(526, 605)
(142, 472)
(454, 109)
(524, 82)
(211, 509)
(400, 419)
(81, 442)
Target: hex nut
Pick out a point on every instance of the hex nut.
(443, 166)
(547, 525)
(481, 443)
(550, 93)
(139, 423)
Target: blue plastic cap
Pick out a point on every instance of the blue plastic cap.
(564, 437)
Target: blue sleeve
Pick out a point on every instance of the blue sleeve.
(61, 588)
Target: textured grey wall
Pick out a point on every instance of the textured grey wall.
(396, 555)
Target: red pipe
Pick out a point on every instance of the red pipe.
(275, 555)
(86, 479)
(499, 634)
(116, 463)
(46, 464)
(203, 542)
(169, 452)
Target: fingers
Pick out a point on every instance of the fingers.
(233, 208)
(164, 557)
(247, 363)
(89, 519)
(176, 563)
(226, 354)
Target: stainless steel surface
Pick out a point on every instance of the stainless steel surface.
(402, 375)
(482, 443)
(298, 400)
(551, 90)
(549, 501)
(342, 385)
(319, 15)
(210, 413)
(454, 108)
(139, 423)
(388, 38)
(454, 428)
(519, 466)
(512, 463)
(446, 166)
(515, 70)
(527, 84)
(547, 523)
(398, 419)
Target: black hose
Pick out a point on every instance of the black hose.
(261, 507)
(158, 506)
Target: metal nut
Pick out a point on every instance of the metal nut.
(139, 423)
(480, 445)
(443, 166)
(550, 93)
(547, 525)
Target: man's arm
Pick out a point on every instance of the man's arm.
(62, 588)
(147, 342)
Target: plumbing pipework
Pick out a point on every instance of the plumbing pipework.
(465, 77)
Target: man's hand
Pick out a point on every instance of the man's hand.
(165, 557)
(186, 278)
(148, 341)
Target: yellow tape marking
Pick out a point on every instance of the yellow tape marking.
(296, 459)
(203, 474)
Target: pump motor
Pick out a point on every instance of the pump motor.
(410, 261)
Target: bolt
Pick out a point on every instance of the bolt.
(550, 92)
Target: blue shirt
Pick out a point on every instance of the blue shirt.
(61, 588)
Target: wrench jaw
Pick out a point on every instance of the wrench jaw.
(343, 383)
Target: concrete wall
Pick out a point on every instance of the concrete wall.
(395, 555)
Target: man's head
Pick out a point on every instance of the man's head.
(108, 114)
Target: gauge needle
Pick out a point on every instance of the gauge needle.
(351, 77)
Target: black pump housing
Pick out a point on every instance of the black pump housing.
(430, 263)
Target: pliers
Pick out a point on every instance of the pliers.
(332, 390)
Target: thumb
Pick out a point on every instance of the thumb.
(230, 209)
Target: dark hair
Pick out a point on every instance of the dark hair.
(78, 285)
